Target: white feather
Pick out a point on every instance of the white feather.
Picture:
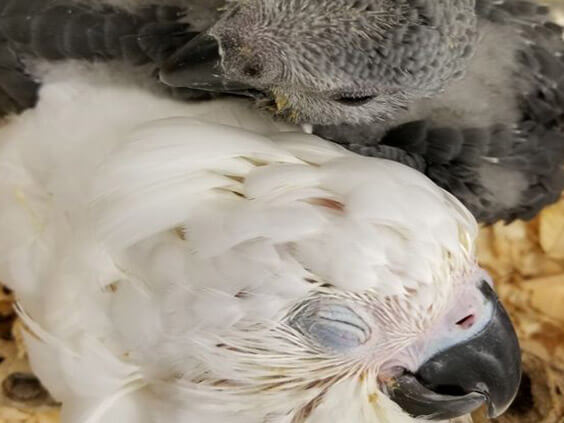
(141, 235)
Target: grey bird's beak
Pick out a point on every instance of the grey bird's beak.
(197, 65)
(485, 369)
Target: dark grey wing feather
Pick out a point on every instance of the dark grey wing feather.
(58, 30)
(537, 150)
(18, 90)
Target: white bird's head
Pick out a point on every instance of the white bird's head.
(310, 282)
(258, 277)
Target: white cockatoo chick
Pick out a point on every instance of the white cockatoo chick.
(200, 263)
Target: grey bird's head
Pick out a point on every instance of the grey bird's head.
(330, 61)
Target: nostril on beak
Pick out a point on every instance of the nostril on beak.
(467, 322)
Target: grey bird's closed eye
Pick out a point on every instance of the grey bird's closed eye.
(332, 326)
(354, 100)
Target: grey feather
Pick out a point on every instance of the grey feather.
(18, 91)
(56, 30)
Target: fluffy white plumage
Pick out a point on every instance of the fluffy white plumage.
(158, 251)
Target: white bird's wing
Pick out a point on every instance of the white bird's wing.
(65, 205)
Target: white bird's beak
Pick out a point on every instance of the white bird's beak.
(478, 366)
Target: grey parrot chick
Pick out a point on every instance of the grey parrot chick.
(329, 62)
(469, 92)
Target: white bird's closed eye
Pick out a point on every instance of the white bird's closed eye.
(330, 325)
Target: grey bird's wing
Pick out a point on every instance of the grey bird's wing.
(495, 139)
(57, 30)
(18, 90)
